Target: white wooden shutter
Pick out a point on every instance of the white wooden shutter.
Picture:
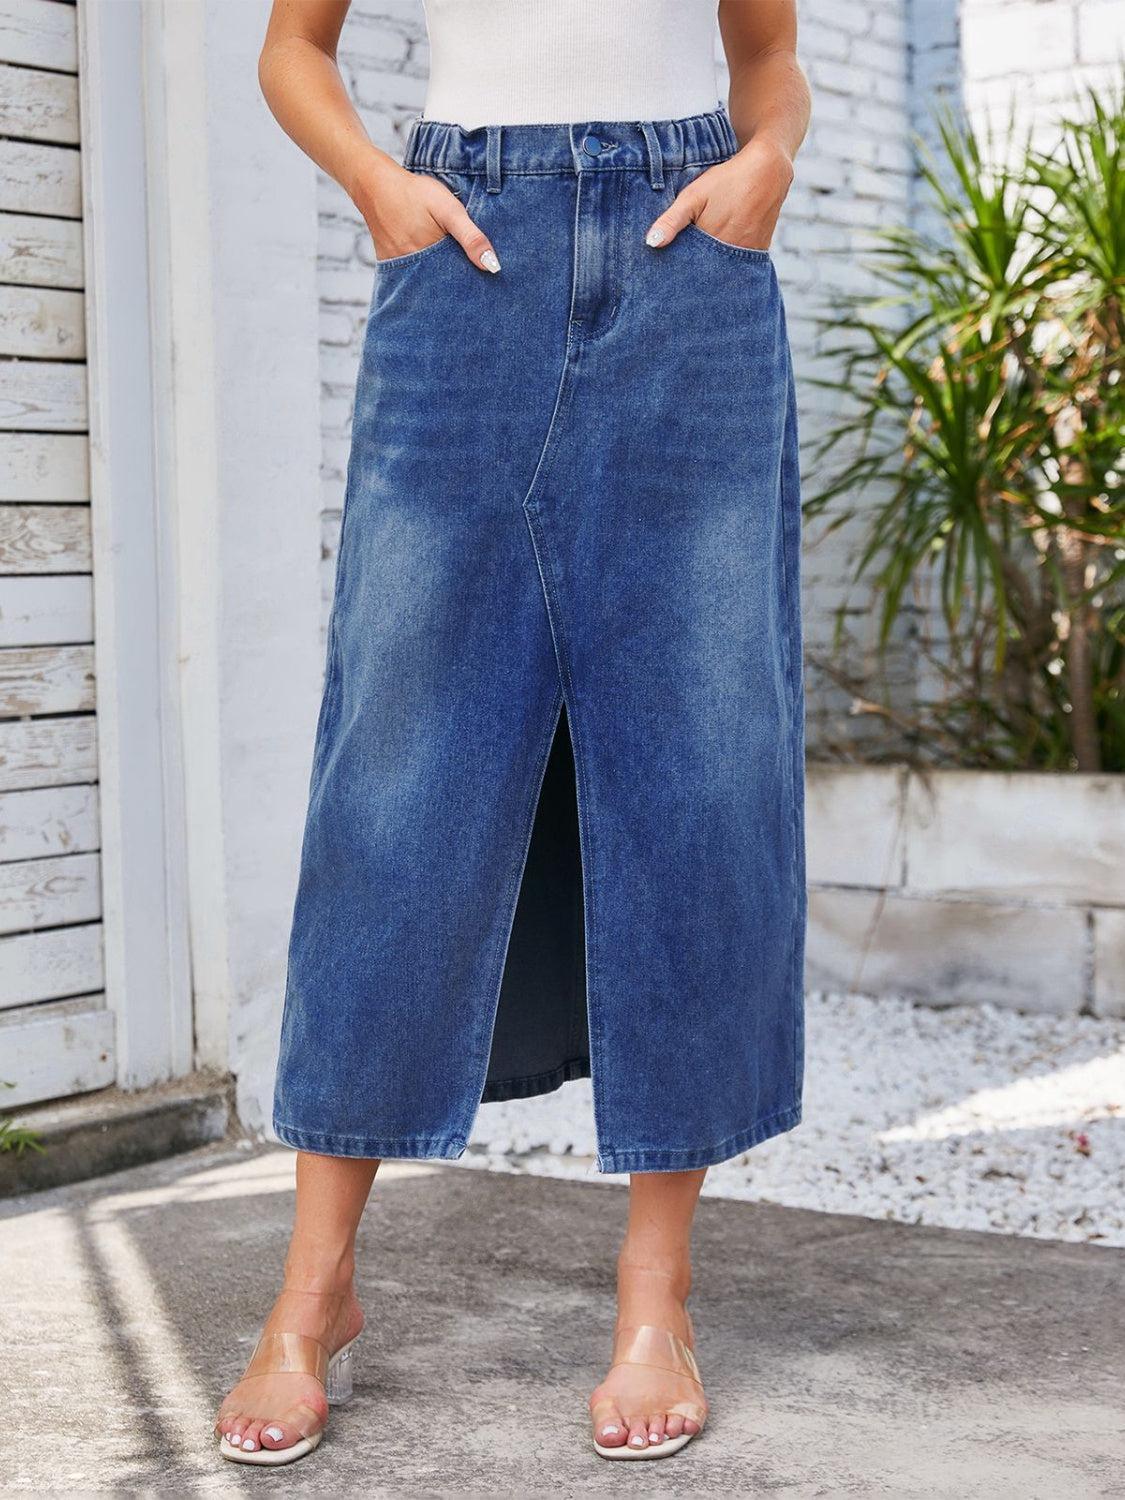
(56, 1034)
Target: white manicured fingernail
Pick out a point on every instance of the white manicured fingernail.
(655, 237)
(274, 1433)
(490, 261)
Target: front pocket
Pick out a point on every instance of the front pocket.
(393, 262)
(742, 251)
(684, 178)
(468, 196)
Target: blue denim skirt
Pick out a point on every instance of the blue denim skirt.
(555, 825)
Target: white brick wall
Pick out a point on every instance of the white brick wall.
(1025, 58)
(855, 172)
(876, 67)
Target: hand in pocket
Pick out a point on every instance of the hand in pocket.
(407, 211)
(736, 201)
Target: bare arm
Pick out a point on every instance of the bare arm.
(739, 200)
(302, 86)
(769, 98)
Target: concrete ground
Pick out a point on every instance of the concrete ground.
(843, 1356)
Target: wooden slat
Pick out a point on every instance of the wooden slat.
(39, 34)
(40, 396)
(46, 611)
(42, 322)
(50, 892)
(46, 680)
(39, 106)
(50, 820)
(52, 1050)
(44, 539)
(40, 179)
(44, 466)
(40, 252)
(47, 752)
(51, 965)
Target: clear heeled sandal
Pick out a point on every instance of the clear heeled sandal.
(656, 1349)
(295, 1354)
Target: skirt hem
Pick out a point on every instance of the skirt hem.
(691, 1160)
(449, 1148)
(370, 1148)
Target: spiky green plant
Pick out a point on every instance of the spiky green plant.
(984, 440)
(13, 1137)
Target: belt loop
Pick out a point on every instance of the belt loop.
(493, 156)
(655, 155)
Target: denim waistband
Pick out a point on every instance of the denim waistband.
(651, 146)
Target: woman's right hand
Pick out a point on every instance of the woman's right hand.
(406, 211)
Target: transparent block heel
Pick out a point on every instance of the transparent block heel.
(338, 1380)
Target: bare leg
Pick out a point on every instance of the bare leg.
(653, 1282)
(317, 1299)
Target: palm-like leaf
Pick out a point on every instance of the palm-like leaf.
(983, 436)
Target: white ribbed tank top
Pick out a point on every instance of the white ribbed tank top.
(545, 62)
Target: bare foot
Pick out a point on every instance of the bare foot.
(636, 1404)
(277, 1410)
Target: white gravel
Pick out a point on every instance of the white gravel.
(970, 1117)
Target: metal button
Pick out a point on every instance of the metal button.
(591, 145)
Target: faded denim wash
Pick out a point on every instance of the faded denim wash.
(569, 562)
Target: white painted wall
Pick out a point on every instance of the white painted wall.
(953, 887)
(236, 236)
(137, 659)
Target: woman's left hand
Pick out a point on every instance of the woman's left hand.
(737, 201)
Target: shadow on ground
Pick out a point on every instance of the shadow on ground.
(842, 1355)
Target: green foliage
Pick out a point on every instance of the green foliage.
(985, 441)
(15, 1137)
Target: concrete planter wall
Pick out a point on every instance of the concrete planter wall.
(962, 886)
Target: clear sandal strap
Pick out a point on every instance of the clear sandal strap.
(658, 1348)
(288, 1354)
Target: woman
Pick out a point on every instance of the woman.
(555, 822)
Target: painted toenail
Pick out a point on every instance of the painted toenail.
(610, 1431)
(637, 1442)
(654, 1437)
(275, 1433)
(249, 1443)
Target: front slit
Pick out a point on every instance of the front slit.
(541, 1037)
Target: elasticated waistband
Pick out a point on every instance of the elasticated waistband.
(652, 146)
